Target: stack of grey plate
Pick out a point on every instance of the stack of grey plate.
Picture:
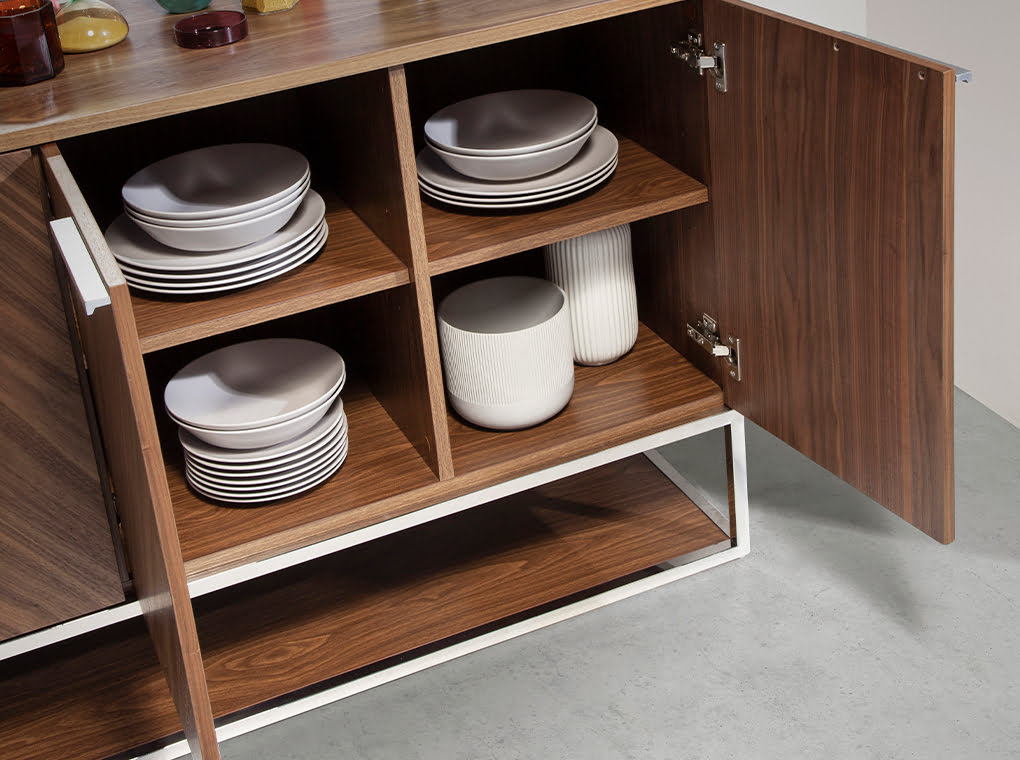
(515, 149)
(217, 218)
(260, 420)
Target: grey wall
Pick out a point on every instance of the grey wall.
(845, 15)
(981, 36)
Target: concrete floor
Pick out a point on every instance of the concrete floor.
(845, 634)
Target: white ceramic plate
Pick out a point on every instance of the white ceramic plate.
(254, 384)
(298, 192)
(546, 196)
(271, 483)
(516, 167)
(510, 122)
(540, 201)
(439, 192)
(273, 454)
(308, 251)
(289, 464)
(219, 180)
(206, 276)
(274, 495)
(600, 151)
(132, 246)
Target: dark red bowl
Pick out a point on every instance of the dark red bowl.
(211, 29)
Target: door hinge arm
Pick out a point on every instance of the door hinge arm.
(692, 52)
(705, 332)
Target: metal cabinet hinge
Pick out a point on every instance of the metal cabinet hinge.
(692, 52)
(705, 332)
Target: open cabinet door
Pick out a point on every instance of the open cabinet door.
(831, 182)
(57, 558)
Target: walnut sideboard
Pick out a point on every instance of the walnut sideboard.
(797, 190)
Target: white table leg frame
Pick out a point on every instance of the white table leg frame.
(737, 519)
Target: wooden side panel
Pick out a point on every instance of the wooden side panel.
(57, 558)
(831, 180)
(132, 448)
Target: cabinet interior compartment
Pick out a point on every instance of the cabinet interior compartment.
(652, 388)
(644, 184)
(303, 626)
(345, 128)
(372, 334)
(87, 698)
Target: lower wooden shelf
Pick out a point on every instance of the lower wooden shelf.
(85, 699)
(271, 637)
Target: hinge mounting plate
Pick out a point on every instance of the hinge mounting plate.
(705, 332)
(692, 52)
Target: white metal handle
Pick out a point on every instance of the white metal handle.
(79, 263)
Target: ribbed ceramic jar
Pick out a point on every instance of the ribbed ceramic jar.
(597, 273)
(506, 350)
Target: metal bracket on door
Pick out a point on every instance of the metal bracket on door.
(705, 332)
(692, 52)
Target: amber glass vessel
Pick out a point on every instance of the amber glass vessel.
(29, 44)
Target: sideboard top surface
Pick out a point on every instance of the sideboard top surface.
(148, 76)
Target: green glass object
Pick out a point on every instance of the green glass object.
(184, 6)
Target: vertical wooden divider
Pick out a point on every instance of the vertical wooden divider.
(376, 174)
(420, 280)
(131, 442)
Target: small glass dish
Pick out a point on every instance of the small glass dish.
(211, 29)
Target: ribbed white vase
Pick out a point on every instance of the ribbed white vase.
(597, 273)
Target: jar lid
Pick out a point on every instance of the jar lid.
(211, 29)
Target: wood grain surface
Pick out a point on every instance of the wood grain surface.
(308, 624)
(352, 263)
(429, 398)
(379, 180)
(57, 557)
(381, 468)
(831, 175)
(148, 76)
(651, 389)
(131, 441)
(642, 186)
(87, 699)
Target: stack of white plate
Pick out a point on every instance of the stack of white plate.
(260, 420)
(151, 266)
(217, 218)
(515, 149)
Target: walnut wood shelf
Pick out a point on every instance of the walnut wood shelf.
(643, 185)
(381, 471)
(653, 388)
(354, 262)
(303, 626)
(86, 699)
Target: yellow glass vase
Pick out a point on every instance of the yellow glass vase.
(87, 25)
